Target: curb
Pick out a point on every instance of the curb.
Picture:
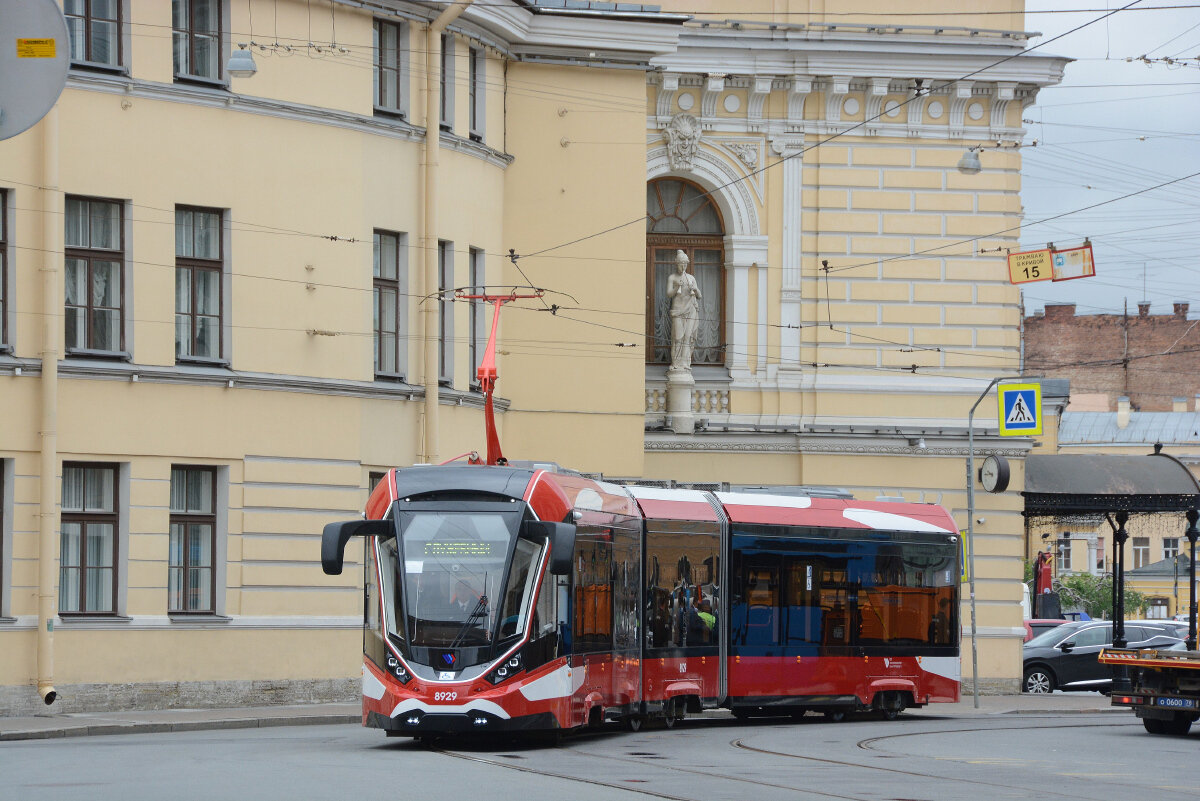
(159, 728)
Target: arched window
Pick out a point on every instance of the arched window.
(679, 216)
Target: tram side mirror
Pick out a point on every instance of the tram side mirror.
(335, 536)
(561, 537)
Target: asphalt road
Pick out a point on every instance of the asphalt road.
(920, 756)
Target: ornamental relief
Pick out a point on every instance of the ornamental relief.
(881, 106)
(682, 136)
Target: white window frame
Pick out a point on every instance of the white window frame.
(477, 72)
(1140, 552)
(1063, 553)
(446, 76)
(401, 310)
(478, 335)
(400, 109)
(223, 48)
(121, 545)
(1171, 553)
(445, 313)
(220, 554)
(124, 255)
(6, 537)
(8, 317)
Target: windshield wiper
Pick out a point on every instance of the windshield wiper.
(479, 611)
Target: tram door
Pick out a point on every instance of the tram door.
(683, 603)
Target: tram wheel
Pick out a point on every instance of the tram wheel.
(672, 711)
(835, 715)
(890, 705)
(633, 722)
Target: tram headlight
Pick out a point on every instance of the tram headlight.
(398, 670)
(506, 669)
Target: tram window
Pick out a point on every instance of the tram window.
(835, 592)
(544, 641)
(682, 580)
(593, 590)
(390, 588)
(626, 577)
(805, 617)
(373, 646)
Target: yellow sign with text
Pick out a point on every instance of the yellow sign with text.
(37, 48)
(1030, 266)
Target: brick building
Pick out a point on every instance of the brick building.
(1153, 359)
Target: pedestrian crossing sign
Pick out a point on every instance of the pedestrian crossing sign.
(1020, 409)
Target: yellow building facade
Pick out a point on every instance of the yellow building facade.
(221, 309)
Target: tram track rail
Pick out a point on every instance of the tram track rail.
(868, 744)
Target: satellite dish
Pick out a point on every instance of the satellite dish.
(35, 53)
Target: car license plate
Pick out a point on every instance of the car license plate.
(1177, 703)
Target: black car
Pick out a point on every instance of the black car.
(1065, 657)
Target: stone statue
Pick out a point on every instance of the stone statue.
(685, 313)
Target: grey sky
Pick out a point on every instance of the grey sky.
(1115, 127)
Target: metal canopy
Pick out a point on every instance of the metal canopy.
(1101, 483)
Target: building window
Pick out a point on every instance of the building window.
(478, 336)
(389, 302)
(1064, 556)
(1141, 552)
(391, 49)
(1170, 547)
(478, 77)
(447, 82)
(198, 271)
(88, 553)
(3, 269)
(5, 537)
(94, 27)
(191, 578)
(445, 313)
(196, 28)
(1157, 609)
(94, 275)
(681, 217)
(373, 479)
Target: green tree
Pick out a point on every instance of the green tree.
(1094, 595)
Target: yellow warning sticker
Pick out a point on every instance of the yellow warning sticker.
(36, 48)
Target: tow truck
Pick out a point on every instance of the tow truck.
(1161, 686)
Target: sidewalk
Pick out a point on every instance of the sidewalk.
(78, 724)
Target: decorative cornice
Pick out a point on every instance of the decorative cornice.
(667, 88)
(958, 108)
(1003, 93)
(874, 106)
(712, 90)
(232, 379)
(219, 98)
(758, 97)
(835, 94)
(802, 86)
(916, 110)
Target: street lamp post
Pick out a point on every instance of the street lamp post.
(971, 529)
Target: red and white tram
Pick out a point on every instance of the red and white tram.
(502, 598)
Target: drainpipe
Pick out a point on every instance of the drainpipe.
(429, 309)
(52, 233)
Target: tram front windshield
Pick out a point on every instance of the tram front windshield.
(457, 592)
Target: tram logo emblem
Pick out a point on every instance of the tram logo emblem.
(448, 659)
